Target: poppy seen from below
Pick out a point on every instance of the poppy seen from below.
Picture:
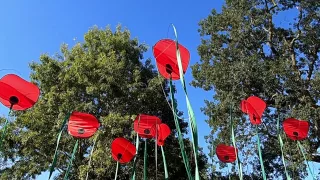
(226, 154)
(82, 125)
(162, 133)
(122, 150)
(18, 93)
(254, 107)
(165, 53)
(143, 125)
(296, 129)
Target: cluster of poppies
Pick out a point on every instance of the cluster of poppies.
(19, 94)
(254, 107)
(172, 60)
(146, 126)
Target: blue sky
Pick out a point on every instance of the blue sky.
(30, 28)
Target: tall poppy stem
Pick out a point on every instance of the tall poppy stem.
(115, 177)
(71, 159)
(260, 155)
(156, 151)
(212, 161)
(181, 143)
(281, 147)
(192, 119)
(305, 159)
(135, 157)
(54, 161)
(89, 164)
(234, 145)
(145, 160)
(166, 176)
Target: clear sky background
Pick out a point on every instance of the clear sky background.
(30, 28)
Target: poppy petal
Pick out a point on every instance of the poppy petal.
(254, 107)
(244, 106)
(163, 132)
(258, 104)
(122, 150)
(255, 118)
(226, 154)
(17, 91)
(296, 129)
(82, 125)
(143, 125)
(165, 54)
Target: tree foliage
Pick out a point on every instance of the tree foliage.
(246, 51)
(108, 77)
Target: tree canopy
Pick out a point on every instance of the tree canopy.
(108, 77)
(247, 49)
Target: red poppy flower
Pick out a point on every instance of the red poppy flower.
(82, 125)
(296, 129)
(122, 150)
(17, 92)
(165, 54)
(226, 154)
(143, 125)
(162, 133)
(255, 107)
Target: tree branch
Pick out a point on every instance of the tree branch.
(274, 5)
(315, 157)
(291, 45)
(270, 28)
(314, 56)
(298, 27)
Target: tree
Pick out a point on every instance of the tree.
(244, 52)
(107, 77)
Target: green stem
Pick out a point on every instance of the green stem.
(181, 143)
(234, 145)
(305, 159)
(145, 161)
(55, 157)
(115, 177)
(72, 158)
(192, 119)
(260, 155)
(156, 151)
(166, 176)
(89, 164)
(135, 158)
(281, 147)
